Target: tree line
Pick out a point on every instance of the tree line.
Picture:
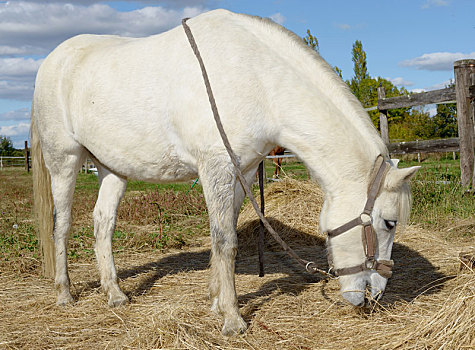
(7, 149)
(405, 124)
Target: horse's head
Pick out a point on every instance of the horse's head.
(360, 245)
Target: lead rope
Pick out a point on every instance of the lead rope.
(308, 265)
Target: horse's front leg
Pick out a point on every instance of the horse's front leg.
(218, 179)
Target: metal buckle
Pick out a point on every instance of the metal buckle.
(365, 219)
(370, 264)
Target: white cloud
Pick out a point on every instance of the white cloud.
(15, 115)
(36, 27)
(442, 85)
(6, 50)
(19, 68)
(171, 3)
(439, 86)
(18, 133)
(343, 26)
(347, 26)
(399, 81)
(416, 91)
(435, 3)
(278, 18)
(15, 90)
(436, 61)
(43, 25)
(15, 130)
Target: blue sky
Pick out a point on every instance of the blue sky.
(410, 42)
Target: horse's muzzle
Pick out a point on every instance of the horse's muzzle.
(354, 288)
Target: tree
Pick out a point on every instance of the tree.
(445, 121)
(338, 71)
(311, 41)
(6, 146)
(359, 84)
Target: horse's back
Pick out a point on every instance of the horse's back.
(141, 103)
(141, 94)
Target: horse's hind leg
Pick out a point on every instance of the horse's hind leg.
(218, 180)
(63, 179)
(111, 190)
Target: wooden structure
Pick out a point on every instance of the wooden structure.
(464, 95)
(27, 157)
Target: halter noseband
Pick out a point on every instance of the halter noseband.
(383, 267)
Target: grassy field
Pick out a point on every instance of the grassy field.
(171, 216)
(150, 217)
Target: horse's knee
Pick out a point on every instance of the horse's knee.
(104, 222)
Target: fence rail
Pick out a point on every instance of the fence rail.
(446, 95)
(463, 93)
(12, 161)
(425, 146)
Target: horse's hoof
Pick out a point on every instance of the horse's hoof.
(234, 326)
(64, 299)
(117, 300)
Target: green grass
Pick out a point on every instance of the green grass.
(289, 167)
(182, 217)
(439, 199)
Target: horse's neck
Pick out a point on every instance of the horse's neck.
(336, 145)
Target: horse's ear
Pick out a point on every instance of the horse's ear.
(395, 162)
(397, 177)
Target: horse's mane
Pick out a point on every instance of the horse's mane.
(358, 117)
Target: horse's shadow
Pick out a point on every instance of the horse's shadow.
(413, 274)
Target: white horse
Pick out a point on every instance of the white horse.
(139, 107)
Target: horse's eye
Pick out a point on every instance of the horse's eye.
(390, 224)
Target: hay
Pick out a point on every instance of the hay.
(429, 303)
(293, 209)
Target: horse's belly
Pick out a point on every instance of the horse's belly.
(167, 170)
(152, 164)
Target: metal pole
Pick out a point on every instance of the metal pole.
(260, 244)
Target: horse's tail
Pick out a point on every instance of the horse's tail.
(43, 201)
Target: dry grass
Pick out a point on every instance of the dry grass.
(293, 208)
(429, 303)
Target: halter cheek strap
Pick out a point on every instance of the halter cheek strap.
(369, 239)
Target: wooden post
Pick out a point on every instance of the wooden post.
(462, 71)
(383, 118)
(472, 114)
(27, 155)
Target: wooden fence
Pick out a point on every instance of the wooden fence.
(463, 94)
(6, 161)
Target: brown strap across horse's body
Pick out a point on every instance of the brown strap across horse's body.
(369, 237)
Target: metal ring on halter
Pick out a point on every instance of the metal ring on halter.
(307, 267)
(365, 219)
